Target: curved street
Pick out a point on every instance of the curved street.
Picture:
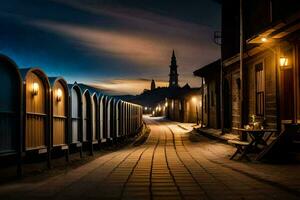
(172, 164)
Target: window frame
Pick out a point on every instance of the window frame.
(260, 108)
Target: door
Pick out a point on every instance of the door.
(287, 95)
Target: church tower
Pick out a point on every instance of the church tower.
(173, 81)
(153, 85)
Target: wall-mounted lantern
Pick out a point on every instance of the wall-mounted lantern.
(58, 95)
(35, 89)
(283, 61)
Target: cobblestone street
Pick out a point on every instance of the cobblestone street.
(172, 164)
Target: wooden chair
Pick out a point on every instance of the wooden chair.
(242, 148)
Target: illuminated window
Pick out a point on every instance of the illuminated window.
(260, 89)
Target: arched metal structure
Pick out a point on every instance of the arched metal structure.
(110, 114)
(94, 118)
(86, 116)
(10, 110)
(118, 118)
(106, 119)
(113, 119)
(36, 110)
(75, 114)
(59, 112)
(101, 118)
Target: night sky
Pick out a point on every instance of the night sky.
(116, 45)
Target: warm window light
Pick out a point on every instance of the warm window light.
(166, 104)
(263, 39)
(35, 89)
(194, 99)
(59, 95)
(283, 61)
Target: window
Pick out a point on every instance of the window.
(260, 89)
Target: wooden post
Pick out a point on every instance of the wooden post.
(242, 83)
(202, 121)
(241, 64)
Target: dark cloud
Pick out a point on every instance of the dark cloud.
(94, 40)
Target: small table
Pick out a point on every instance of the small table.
(257, 137)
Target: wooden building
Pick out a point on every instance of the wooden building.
(59, 113)
(210, 94)
(183, 106)
(260, 63)
(10, 110)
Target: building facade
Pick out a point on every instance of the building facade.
(260, 63)
(210, 93)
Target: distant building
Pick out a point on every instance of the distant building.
(175, 102)
(184, 105)
(210, 93)
(173, 81)
(153, 85)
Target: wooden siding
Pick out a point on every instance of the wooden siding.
(9, 102)
(59, 115)
(36, 115)
(267, 58)
(75, 99)
(235, 92)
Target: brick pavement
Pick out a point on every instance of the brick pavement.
(172, 164)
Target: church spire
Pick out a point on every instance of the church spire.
(153, 85)
(173, 81)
